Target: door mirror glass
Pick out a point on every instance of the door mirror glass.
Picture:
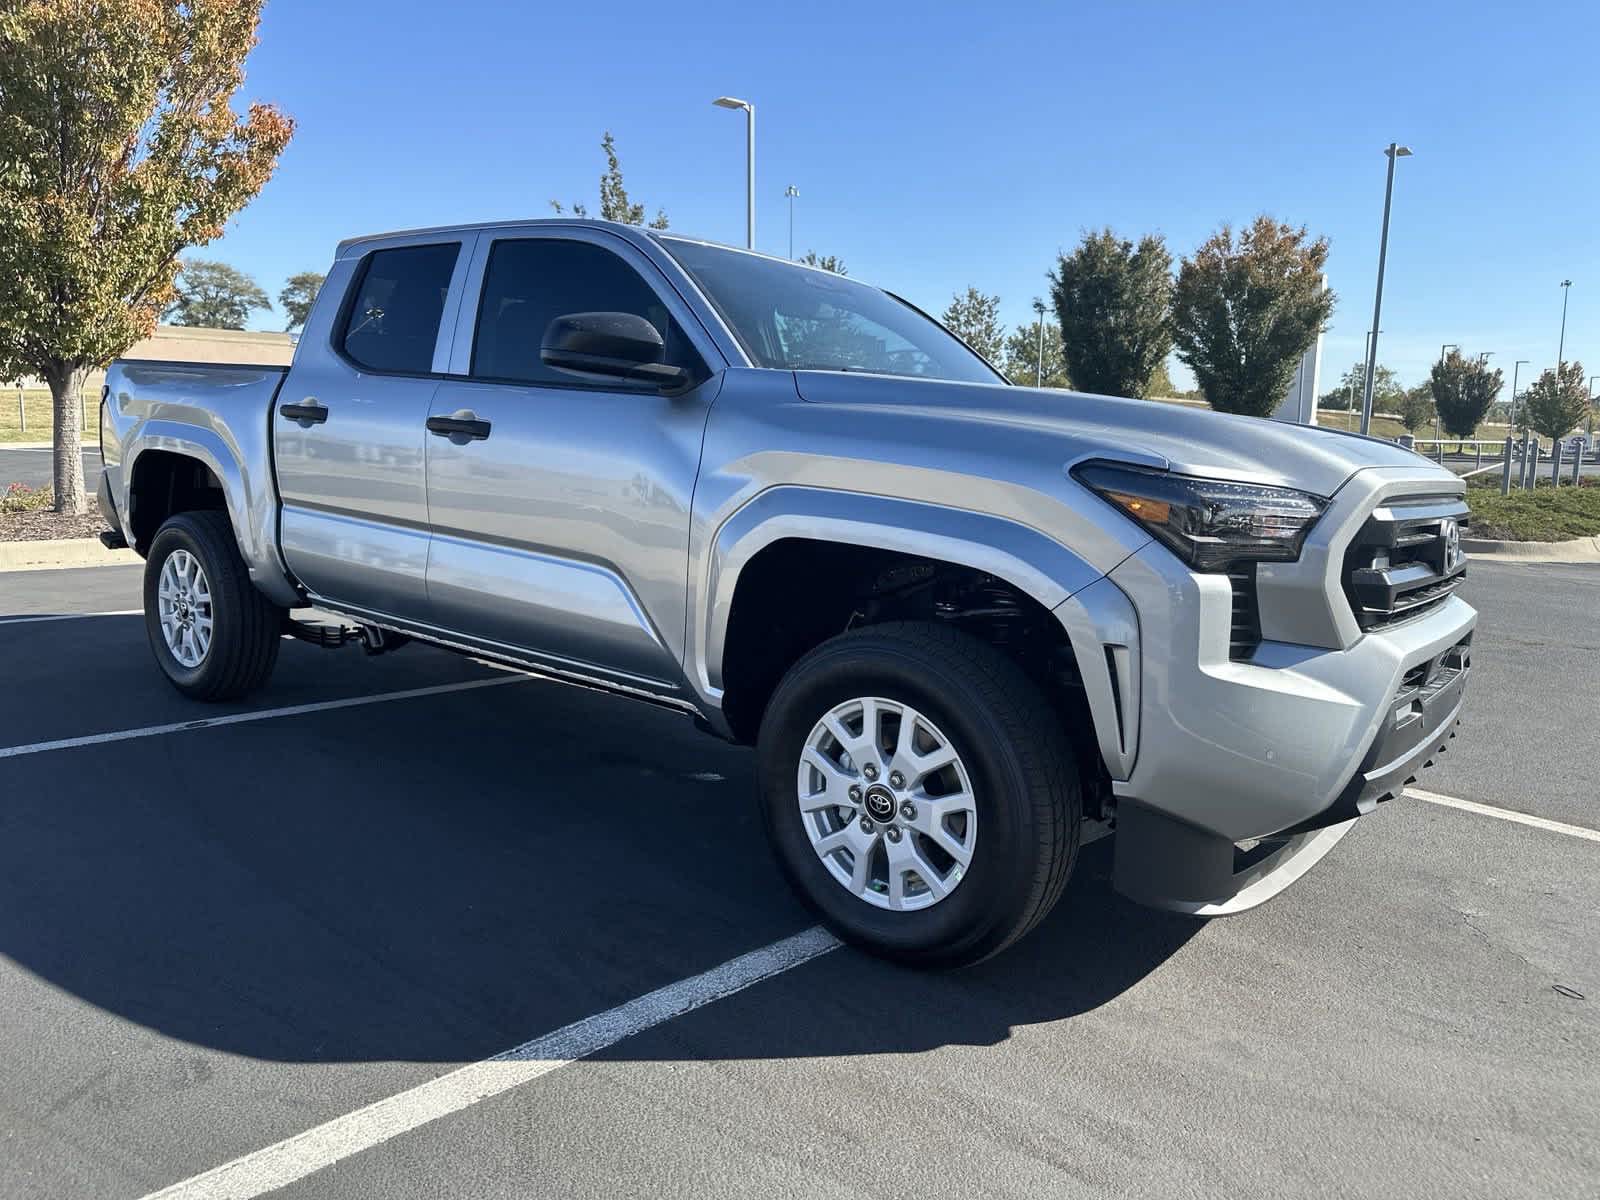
(609, 345)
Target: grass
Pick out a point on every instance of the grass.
(1545, 514)
(36, 407)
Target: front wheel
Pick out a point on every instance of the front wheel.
(918, 793)
(213, 635)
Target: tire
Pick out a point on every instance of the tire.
(1024, 792)
(245, 627)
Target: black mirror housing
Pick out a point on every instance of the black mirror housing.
(609, 345)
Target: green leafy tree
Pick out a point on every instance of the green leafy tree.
(975, 319)
(1386, 390)
(1111, 299)
(119, 148)
(826, 262)
(1021, 357)
(1415, 407)
(615, 204)
(1553, 407)
(298, 295)
(1160, 386)
(1246, 309)
(1463, 389)
(214, 295)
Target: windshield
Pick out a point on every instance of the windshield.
(798, 318)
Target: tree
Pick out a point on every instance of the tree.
(614, 202)
(1022, 357)
(1111, 299)
(975, 319)
(1244, 312)
(214, 295)
(1386, 390)
(827, 262)
(1415, 407)
(119, 148)
(298, 295)
(1553, 407)
(1463, 389)
(1160, 386)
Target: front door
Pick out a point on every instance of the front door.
(348, 433)
(560, 506)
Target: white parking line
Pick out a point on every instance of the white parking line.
(1505, 814)
(121, 612)
(264, 714)
(294, 1158)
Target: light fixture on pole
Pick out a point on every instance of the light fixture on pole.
(1485, 356)
(1447, 346)
(791, 192)
(1394, 151)
(1038, 374)
(749, 164)
(1511, 417)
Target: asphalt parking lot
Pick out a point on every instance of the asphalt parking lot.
(279, 947)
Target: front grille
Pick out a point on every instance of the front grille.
(1245, 634)
(1406, 560)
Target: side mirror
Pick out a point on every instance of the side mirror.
(609, 345)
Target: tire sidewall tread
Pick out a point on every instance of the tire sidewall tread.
(1021, 768)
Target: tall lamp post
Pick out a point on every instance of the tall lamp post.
(1038, 374)
(1561, 346)
(1447, 346)
(791, 192)
(1511, 417)
(1394, 151)
(749, 164)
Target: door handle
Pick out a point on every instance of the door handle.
(308, 411)
(464, 424)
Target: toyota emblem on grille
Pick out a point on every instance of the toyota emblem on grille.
(1451, 532)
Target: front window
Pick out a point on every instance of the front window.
(796, 318)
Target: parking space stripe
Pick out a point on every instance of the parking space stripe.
(264, 714)
(1505, 814)
(121, 612)
(294, 1158)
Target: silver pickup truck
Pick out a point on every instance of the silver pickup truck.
(961, 622)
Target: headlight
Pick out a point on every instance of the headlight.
(1209, 523)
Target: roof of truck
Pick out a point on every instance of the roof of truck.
(631, 231)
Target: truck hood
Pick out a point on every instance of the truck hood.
(1183, 438)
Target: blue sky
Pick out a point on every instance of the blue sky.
(940, 145)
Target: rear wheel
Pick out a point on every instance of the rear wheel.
(918, 793)
(213, 635)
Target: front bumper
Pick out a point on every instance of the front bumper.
(1248, 772)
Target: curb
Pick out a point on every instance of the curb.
(1578, 550)
(47, 555)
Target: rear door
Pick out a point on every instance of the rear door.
(563, 531)
(348, 431)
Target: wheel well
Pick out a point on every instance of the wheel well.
(165, 483)
(797, 593)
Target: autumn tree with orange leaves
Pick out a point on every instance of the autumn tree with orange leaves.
(119, 149)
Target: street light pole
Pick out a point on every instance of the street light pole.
(1394, 151)
(791, 191)
(749, 164)
(1038, 375)
(1511, 418)
(1561, 346)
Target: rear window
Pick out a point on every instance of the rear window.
(394, 323)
